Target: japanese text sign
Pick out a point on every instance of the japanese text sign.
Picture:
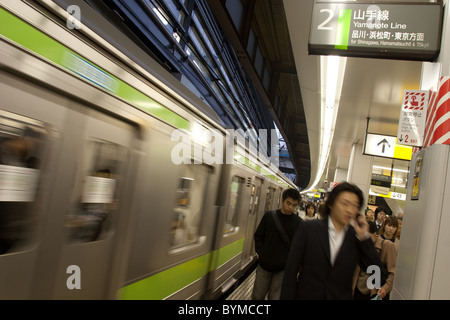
(413, 113)
(400, 31)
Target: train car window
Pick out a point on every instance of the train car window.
(23, 145)
(279, 198)
(178, 14)
(97, 196)
(252, 196)
(187, 214)
(269, 199)
(233, 202)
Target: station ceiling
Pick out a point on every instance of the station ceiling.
(372, 88)
(284, 98)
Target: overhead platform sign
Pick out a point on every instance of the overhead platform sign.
(386, 146)
(410, 31)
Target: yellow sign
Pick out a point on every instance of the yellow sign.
(402, 152)
(416, 184)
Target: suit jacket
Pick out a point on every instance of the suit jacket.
(309, 273)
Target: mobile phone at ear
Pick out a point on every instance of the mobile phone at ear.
(357, 217)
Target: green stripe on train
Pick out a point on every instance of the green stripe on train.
(36, 41)
(226, 253)
(167, 282)
(247, 162)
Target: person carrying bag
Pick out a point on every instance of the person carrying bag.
(272, 242)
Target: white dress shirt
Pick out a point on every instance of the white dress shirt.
(336, 239)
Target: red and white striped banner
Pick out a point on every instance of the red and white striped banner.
(437, 128)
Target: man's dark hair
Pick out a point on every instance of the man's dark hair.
(342, 187)
(291, 193)
(372, 227)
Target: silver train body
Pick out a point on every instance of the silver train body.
(92, 205)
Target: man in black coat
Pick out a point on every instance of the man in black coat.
(272, 241)
(324, 253)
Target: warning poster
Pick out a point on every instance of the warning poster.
(411, 126)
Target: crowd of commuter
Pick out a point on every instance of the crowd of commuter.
(326, 250)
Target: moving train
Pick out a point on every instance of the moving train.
(92, 203)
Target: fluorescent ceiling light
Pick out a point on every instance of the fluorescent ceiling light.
(386, 168)
(332, 69)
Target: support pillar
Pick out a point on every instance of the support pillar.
(360, 170)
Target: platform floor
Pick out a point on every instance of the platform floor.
(244, 290)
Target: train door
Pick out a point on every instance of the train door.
(24, 176)
(255, 199)
(95, 215)
(63, 173)
(175, 227)
(233, 211)
(279, 195)
(32, 122)
(270, 199)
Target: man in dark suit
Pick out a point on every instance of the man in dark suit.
(324, 253)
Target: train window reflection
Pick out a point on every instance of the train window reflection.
(269, 198)
(22, 148)
(97, 196)
(187, 214)
(279, 197)
(233, 202)
(252, 196)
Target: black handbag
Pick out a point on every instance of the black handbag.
(280, 228)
